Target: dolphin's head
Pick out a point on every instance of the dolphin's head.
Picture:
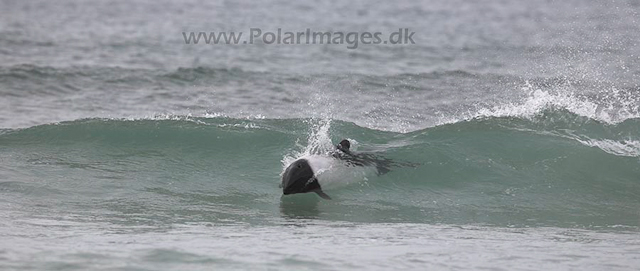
(299, 178)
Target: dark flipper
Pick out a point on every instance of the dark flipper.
(322, 194)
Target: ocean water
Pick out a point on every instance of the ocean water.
(122, 147)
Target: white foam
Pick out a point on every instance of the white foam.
(610, 106)
(331, 172)
(629, 148)
(319, 142)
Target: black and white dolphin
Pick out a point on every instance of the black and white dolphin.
(312, 173)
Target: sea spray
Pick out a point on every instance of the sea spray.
(556, 168)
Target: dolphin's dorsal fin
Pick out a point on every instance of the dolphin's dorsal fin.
(322, 194)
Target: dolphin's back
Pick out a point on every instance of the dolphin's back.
(332, 172)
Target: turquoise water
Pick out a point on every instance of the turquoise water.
(514, 128)
(198, 193)
(556, 169)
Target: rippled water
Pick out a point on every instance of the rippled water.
(122, 147)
